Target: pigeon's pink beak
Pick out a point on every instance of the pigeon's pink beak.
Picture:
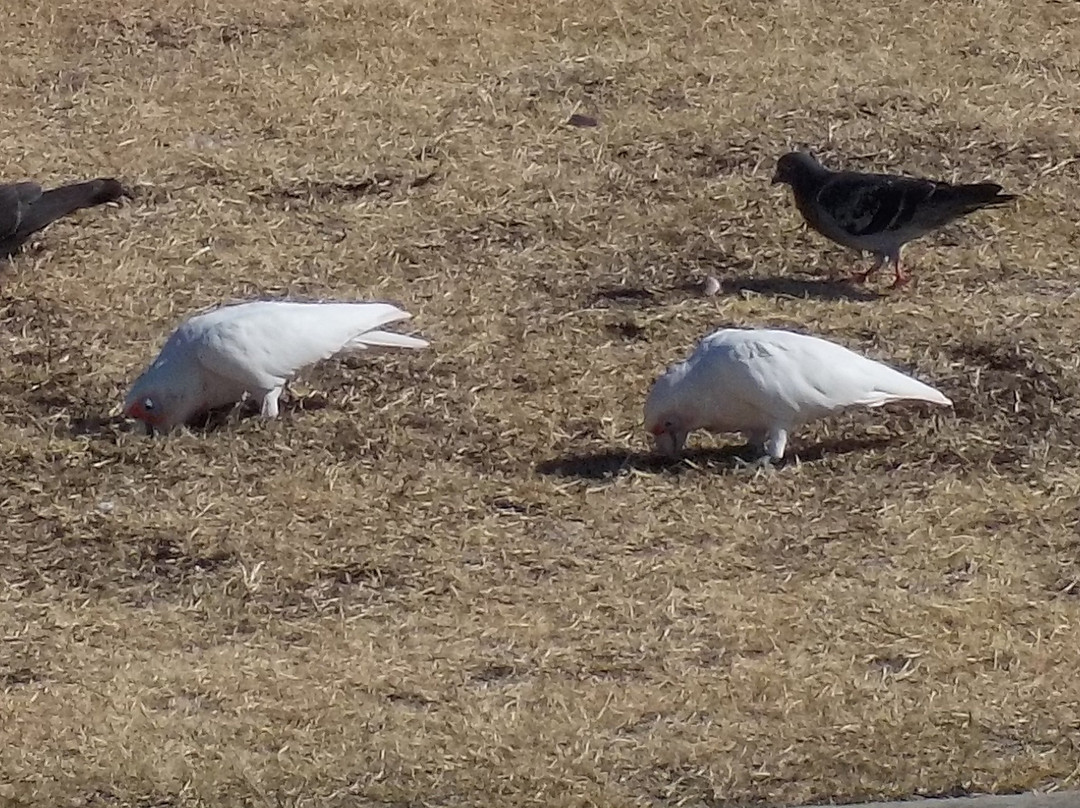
(667, 441)
(138, 411)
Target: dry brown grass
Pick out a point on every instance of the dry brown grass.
(462, 581)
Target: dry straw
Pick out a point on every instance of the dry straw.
(455, 578)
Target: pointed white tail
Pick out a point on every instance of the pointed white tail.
(385, 339)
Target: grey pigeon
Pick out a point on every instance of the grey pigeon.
(878, 213)
(26, 209)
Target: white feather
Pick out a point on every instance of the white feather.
(216, 357)
(765, 382)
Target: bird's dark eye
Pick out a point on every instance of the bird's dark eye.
(148, 404)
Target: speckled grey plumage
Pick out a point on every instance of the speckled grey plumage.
(878, 213)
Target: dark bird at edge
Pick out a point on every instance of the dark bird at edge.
(25, 208)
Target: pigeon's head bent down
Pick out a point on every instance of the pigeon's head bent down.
(143, 411)
(668, 415)
(795, 167)
(156, 403)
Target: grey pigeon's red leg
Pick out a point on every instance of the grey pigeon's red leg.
(901, 279)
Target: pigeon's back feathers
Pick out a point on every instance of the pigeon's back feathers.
(796, 377)
(266, 343)
(835, 373)
(867, 205)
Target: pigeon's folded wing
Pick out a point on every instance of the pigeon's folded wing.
(865, 205)
(830, 376)
(795, 377)
(267, 343)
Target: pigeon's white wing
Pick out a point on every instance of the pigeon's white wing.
(791, 378)
(838, 377)
(726, 386)
(264, 344)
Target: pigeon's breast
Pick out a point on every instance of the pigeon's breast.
(827, 225)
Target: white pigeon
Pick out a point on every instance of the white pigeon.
(764, 383)
(214, 358)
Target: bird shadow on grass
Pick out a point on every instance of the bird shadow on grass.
(610, 463)
(629, 296)
(104, 426)
(635, 297)
(786, 286)
(230, 415)
(98, 425)
(205, 423)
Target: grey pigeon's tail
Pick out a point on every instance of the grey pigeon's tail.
(980, 195)
(66, 199)
(947, 202)
(33, 214)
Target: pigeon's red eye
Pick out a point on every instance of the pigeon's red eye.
(659, 429)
